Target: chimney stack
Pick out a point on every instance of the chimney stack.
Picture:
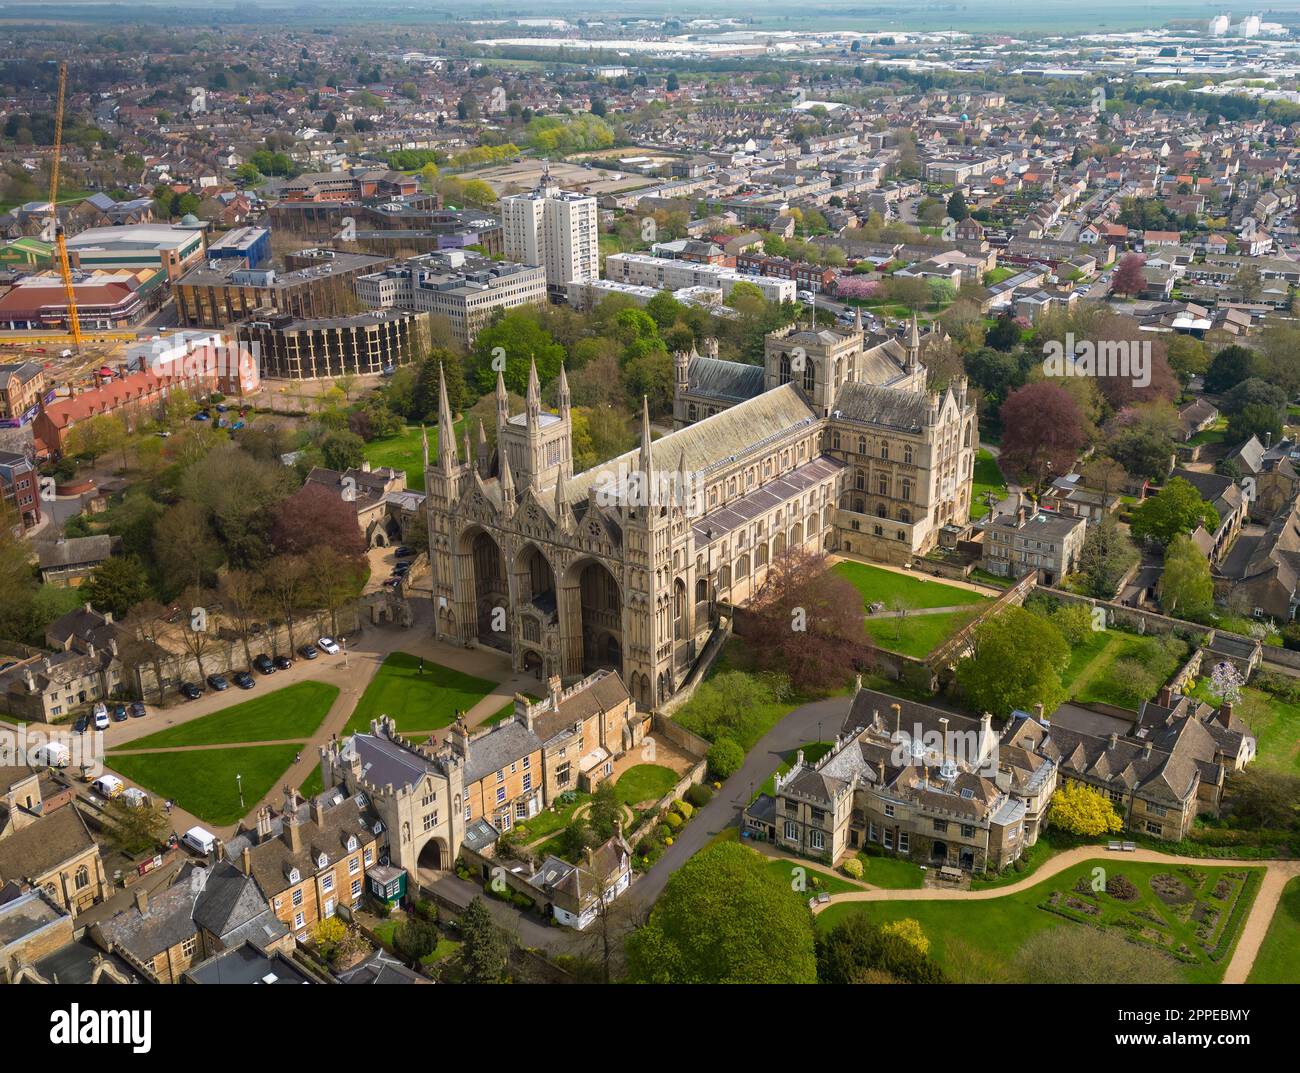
(1166, 697)
(318, 810)
(1112, 741)
(554, 687)
(1038, 711)
(1225, 713)
(246, 861)
(141, 900)
(1146, 751)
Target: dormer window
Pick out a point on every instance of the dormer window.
(322, 861)
(295, 876)
(352, 843)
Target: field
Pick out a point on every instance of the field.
(1275, 723)
(1194, 918)
(988, 478)
(415, 700)
(405, 451)
(294, 712)
(918, 634)
(1278, 960)
(203, 781)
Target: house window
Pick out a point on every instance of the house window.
(356, 889)
(521, 810)
(369, 857)
(889, 838)
(354, 866)
(967, 830)
(327, 882)
(816, 839)
(329, 908)
(297, 897)
(872, 834)
(501, 775)
(501, 794)
(189, 946)
(904, 841)
(82, 878)
(299, 920)
(1154, 829)
(528, 783)
(889, 811)
(792, 830)
(941, 827)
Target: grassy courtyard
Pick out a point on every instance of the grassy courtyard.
(923, 627)
(203, 781)
(1098, 672)
(417, 700)
(294, 712)
(877, 585)
(1278, 960)
(1191, 915)
(645, 782)
(917, 634)
(988, 478)
(404, 451)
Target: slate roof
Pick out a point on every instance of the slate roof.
(907, 411)
(727, 381)
(768, 496)
(604, 694)
(41, 847)
(76, 550)
(232, 908)
(505, 744)
(167, 921)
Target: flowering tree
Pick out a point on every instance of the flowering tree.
(856, 287)
(1226, 682)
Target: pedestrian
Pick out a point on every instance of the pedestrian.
(421, 664)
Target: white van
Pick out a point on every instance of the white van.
(199, 840)
(108, 786)
(51, 754)
(135, 797)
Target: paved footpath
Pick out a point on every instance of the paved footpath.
(1248, 943)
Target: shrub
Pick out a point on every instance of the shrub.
(427, 910)
(699, 795)
(684, 810)
(663, 831)
(673, 821)
(725, 758)
(1120, 887)
(853, 868)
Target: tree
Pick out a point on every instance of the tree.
(1187, 357)
(1260, 798)
(724, 918)
(1106, 556)
(1178, 508)
(606, 811)
(241, 596)
(1017, 663)
(725, 758)
(809, 620)
(343, 450)
(1073, 954)
(314, 516)
(1042, 430)
(184, 545)
(117, 584)
(1262, 421)
(1228, 368)
(335, 579)
(285, 580)
(1005, 333)
(856, 946)
(94, 437)
(1080, 810)
(486, 945)
(523, 342)
(134, 829)
(197, 635)
(1129, 278)
(957, 206)
(1186, 589)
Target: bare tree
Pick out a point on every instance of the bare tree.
(240, 592)
(147, 621)
(196, 636)
(286, 584)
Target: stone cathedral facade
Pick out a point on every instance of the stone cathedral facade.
(838, 446)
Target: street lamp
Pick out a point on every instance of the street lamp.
(239, 781)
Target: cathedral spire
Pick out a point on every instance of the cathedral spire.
(482, 448)
(424, 444)
(534, 394)
(913, 344)
(446, 430)
(507, 480)
(503, 401)
(645, 463)
(563, 515)
(563, 394)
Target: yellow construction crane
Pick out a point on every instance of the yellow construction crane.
(60, 241)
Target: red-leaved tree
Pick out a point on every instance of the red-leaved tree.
(1041, 424)
(1129, 278)
(314, 516)
(809, 622)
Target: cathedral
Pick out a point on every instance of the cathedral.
(835, 443)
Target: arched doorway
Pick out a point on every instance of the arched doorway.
(939, 852)
(491, 592)
(535, 580)
(433, 857)
(533, 663)
(593, 626)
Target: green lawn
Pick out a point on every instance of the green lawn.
(811, 880)
(1094, 676)
(1216, 433)
(998, 927)
(917, 634)
(295, 711)
(896, 873)
(203, 781)
(988, 478)
(312, 784)
(1278, 960)
(880, 585)
(417, 701)
(645, 782)
(1275, 723)
(548, 822)
(404, 451)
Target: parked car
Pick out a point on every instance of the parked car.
(244, 680)
(101, 717)
(190, 691)
(401, 569)
(283, 663)
(404, 552)
(138, 710)
(263, 664)
(218, 682)
(201, 416)
(392, 582)
(81, 725)
(328, 645)
(119, 713)
(308, 652)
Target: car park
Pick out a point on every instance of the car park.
(263, 664)
(81, 725)
(282, 663)
(119, 713)
(190, 691)
(328, 645)
(101, 717)
(244, 680)
(308, 652)
(138, 710)
(218, 682)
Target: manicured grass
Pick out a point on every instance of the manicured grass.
(880, 585)
(1093, 675)
(295, 711)
(1275, 724)
(548, 822)
(415, 700)
(988, 478)
(917, 634)
(1278, 960)
(1216, 433)
(998, 927)
(812, 752)
(645, 782)
(896, 873)
(202, 782)
(405, 452)
(803, 884)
